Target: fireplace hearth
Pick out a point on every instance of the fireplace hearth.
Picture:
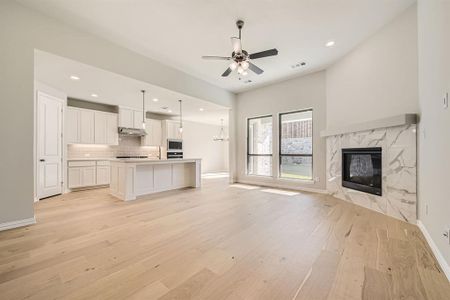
(361, 169)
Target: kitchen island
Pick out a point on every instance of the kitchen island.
(131, 178)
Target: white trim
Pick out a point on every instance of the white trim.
(282, 186)
(399, 120)
(19, 223)
(440, 258)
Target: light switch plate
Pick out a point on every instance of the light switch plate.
(446, 101)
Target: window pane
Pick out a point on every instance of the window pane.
(260, 165)
(260, 136)
(296, 133)
(296, 167)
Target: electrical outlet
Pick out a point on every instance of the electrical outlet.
(317, 179)
(446, 235)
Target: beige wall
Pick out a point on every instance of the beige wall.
(21, 31)
(434, 127)
(378, 78)
(295, 94)
(198, 143)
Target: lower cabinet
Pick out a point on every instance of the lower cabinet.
(103, 175)
(87, 173)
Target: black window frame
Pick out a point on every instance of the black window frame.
(261, 155)
(280, 155)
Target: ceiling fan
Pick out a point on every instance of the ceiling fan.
(240, 58)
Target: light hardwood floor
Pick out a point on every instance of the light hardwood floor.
(217, 242)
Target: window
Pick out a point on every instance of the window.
(296, 145)
(259, 146)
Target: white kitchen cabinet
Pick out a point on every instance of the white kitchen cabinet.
(87, 130)
(72, 125)
(106, 128)
(130, 118)
(170, 130)
(88, 174)
(137, 119)
(126, 117)
(100, 127)
(85, 126)
(103, 175)
(112, 134)
(74, 177)
(81, 174)
(154, 133)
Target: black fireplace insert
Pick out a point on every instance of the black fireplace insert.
(361, 169)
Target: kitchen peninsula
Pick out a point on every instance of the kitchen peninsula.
(131, 178)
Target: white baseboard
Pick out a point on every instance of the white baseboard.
(19, 223)
(440, 258)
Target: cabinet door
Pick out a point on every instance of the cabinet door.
(103, 175)
(100, 127)
(137, 119)
(87, 122)
(112, 134)
(156, 132)
(72, 125)
(74, 177)
(147, 140)
(126, 117)
(173, 132)
(88, 177)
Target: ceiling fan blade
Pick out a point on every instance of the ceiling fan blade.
(255, 69)
(266, 53)
(236, 43)
(227, 72)
(215, 57)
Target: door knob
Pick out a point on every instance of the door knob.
(42, 160)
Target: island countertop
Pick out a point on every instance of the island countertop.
(133, 177)
(153, 160)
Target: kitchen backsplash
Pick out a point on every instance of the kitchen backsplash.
(127, 146)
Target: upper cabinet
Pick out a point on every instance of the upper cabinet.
(87, 123)
(154, 133)
(106, 128)
(85, 126)
(72, 125)
(130, 118)
(170, 130)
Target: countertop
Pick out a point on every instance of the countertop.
(152, 160)
(91, 159)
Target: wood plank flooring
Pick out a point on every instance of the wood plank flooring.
(217, 242)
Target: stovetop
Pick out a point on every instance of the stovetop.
(133, 156)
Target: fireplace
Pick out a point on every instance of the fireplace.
(361, 169)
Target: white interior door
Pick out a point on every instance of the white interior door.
(49, 148)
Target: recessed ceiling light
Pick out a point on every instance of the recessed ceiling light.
(155, 99)
(201, 109)
(169, 110)
(330, 44)
(74, 77)
(94, 95)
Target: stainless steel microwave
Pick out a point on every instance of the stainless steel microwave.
(174, 145)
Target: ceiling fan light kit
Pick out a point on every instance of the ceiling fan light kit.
(241, 60)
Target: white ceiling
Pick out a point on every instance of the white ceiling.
(179, 32)
(115, 89)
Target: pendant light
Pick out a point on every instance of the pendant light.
(143, 109)
(181, 118)
(221, 137)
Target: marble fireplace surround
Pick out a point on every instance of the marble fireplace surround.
(397, 138)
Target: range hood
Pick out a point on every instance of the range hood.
(132, 131)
